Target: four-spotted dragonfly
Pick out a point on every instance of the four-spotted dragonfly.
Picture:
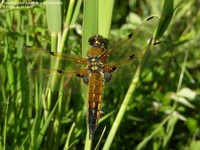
(100, 64)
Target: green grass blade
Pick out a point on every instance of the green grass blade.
(166, 16)
(143, 143)
(105, 17)
(170, 129)
(70, 20)
(90, 23)
(88, 142)
(122, 110)
(69, 12)
(76, 11)
(44, 128)
(69, 136)
(54, 17)
(67, 24)
(53, 12)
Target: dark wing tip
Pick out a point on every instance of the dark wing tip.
(151, 17)
(130, 35)
(51, 53)
(132, 57)
(59, 71)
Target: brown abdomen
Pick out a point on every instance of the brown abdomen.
(96, 83)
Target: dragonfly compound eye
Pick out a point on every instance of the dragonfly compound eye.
(97, 41)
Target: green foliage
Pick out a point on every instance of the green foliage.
(160, 111)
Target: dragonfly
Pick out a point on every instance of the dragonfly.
(100, 65)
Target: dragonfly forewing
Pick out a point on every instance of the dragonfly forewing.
(56, 70)
(136, 42)
(47, 59)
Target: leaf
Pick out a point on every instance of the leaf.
(182, 100)
(187, 93)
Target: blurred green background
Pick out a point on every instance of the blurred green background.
(162, 113)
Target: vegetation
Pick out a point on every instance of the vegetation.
(158, 110)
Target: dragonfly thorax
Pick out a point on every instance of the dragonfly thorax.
(94, 52)
(94, 64)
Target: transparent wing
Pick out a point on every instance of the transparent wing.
(128, 52)
(125, 69)
(53, 60)
(135, 43)
(56, 70)
(58, 80)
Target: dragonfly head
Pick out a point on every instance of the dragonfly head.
(97, 41)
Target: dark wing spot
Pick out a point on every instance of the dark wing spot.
(60, 71)
(113, 68)
(149, 18)
(79, 75)
(130, 35)
(156, 43)
(52, 53)
(132, 56)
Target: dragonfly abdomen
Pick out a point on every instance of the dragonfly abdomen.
(96, 83)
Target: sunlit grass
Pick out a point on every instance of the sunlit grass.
(161, 114)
